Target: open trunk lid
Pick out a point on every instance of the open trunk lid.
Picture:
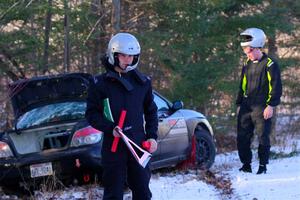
(27, 94)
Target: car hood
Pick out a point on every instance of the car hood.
(27, 94)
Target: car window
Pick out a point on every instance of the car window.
(161, 104)
(52, 113)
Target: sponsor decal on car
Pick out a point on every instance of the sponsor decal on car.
(177, 126)
(177, 123)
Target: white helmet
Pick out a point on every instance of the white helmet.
(124, 43)
(254, 37)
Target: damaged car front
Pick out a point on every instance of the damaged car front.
(50, 136)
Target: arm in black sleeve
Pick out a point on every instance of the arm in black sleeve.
(150, 113)
(94, 110)
(276, 84)
(240, 92)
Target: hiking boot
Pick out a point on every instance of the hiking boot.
(246, 168)
(262, 169)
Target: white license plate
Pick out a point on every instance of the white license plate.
(42, 169)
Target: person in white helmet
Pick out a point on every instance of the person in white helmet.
(126, 89)
(259, 93)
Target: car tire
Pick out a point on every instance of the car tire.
(204, 148)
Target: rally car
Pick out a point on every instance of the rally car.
(51, 137)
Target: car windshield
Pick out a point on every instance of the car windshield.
(52, 113)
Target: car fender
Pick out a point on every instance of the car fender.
(193, 119)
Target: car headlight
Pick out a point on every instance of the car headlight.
(5, 150)
(85, 136)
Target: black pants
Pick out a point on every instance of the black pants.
(120, 168)
(250, 120)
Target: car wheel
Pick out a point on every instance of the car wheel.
(203, 148)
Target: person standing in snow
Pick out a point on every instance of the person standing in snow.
(259, 93)
(126, 89)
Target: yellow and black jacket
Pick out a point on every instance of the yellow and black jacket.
(260, 83)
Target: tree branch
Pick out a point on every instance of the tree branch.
(94, 27)
(13, 62)
(9, 73)
(28, 4)
(8, 10)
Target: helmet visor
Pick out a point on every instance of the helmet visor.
(246, 38)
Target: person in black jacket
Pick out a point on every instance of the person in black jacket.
(125, 88)
(259, 93)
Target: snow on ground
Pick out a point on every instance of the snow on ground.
(282, 181)
(184, 186)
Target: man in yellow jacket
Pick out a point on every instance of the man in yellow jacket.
(259, 92)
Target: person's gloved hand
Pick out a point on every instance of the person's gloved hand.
(115, 133)
(150, 145)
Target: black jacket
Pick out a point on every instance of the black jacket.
(260, 83)
(131, 91)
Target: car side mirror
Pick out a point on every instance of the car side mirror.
(177, 105)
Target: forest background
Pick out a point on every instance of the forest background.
(190, 48)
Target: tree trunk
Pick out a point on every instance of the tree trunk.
(97, 8)
(116, 16)
(272, 48)
(67, 38)
(45, 61)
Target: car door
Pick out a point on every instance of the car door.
(172, 132)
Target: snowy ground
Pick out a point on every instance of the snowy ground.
(184, 186)
(281, 182)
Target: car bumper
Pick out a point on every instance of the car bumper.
(65, 163)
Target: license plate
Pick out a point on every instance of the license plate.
(42, 169)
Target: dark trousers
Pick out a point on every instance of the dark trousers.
(120, 168)
(250, 121)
